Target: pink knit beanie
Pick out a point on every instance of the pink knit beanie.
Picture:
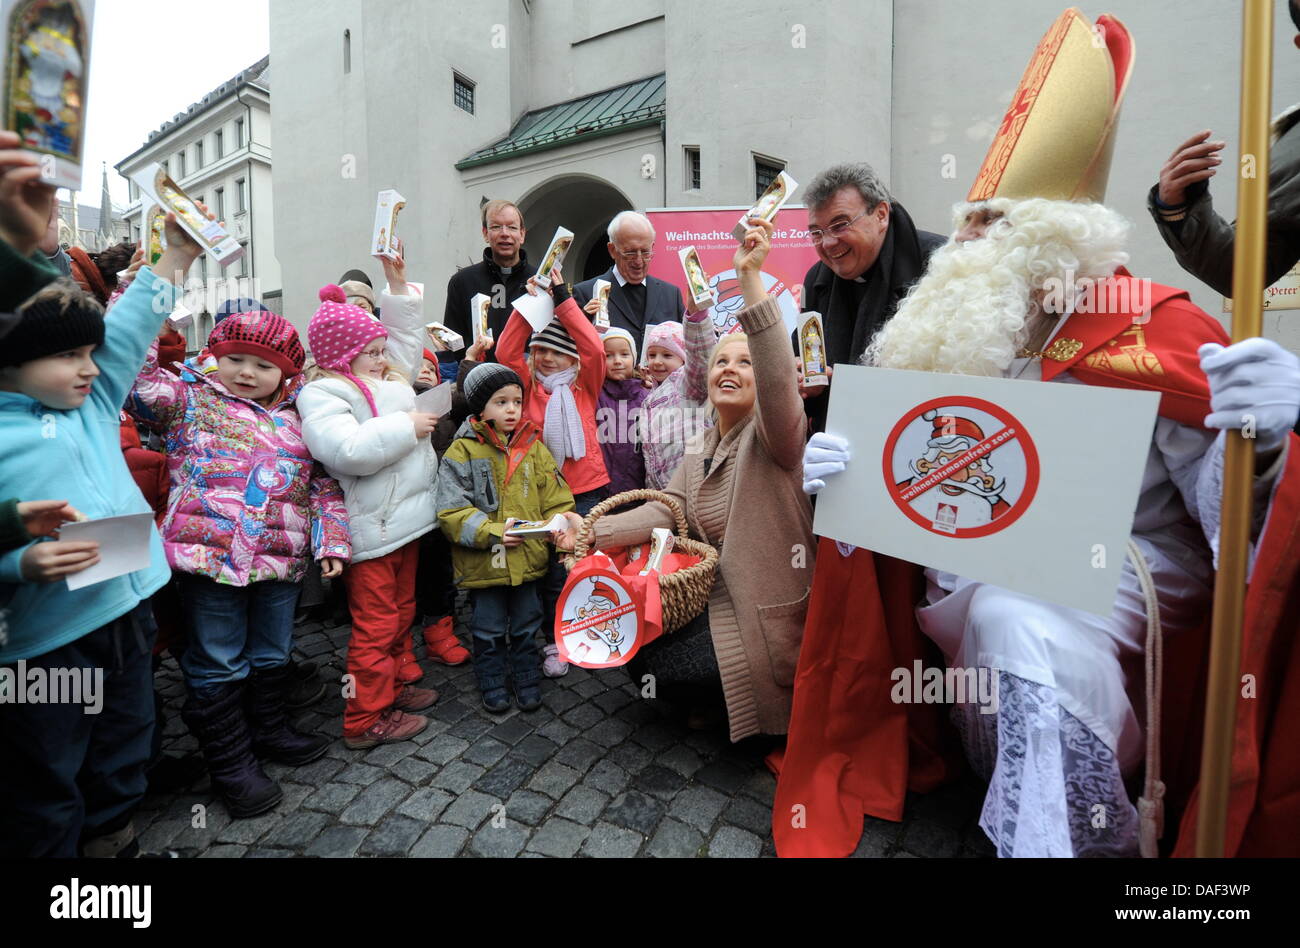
(337, 334)
(670, 336)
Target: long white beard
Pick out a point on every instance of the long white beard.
(967, 314)
(963, 317)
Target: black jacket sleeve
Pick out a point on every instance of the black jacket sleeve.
(455, 315)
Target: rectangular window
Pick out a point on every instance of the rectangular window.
(166, 166)
(243, 261)
(462, 93)
(221, 204)
(692, 176)
(180, 164)
(198, 155)
(765, 172)
(347, 51)
(218, 136)
(240, 198)
(239, 133)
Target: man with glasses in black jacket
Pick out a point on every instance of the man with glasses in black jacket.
(869, 255)
(501, 274)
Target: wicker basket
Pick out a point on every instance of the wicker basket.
(685, 593)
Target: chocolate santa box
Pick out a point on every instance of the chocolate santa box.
(212, 236)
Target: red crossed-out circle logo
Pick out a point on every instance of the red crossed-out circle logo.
(598, 625)
(961, 467)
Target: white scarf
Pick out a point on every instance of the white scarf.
(562, 429)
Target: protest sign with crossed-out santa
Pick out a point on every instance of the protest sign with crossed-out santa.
(1029, 487)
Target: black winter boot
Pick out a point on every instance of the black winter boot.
(218, 723)
(274, 738)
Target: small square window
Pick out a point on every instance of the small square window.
(765, 172)
(462, 93)
(692, 168)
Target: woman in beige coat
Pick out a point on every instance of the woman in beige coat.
(739, 484)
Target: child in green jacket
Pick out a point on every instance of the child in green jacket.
(495, 473)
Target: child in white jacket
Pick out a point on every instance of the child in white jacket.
(359, 421)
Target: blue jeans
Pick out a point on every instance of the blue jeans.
(69, 775)
(233, 629)
(504, 627)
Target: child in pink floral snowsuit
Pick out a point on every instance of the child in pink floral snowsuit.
(248, 505)
(677, 361)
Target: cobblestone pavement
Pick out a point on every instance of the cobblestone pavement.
(597, 771)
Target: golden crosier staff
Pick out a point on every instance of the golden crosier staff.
(1239, 456)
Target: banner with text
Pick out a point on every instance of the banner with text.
(708, 230)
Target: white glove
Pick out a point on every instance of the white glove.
(1253, 383)
(824, 455)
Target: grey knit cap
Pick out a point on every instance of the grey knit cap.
(484, 381)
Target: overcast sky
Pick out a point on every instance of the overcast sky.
(150, 60)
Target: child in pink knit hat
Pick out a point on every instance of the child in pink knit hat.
(359, 420)
(677, 362)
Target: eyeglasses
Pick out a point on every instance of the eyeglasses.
(836, 230)
(634, 254)
(374, 355)
(508, 228)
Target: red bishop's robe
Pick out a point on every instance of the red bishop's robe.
(852, 751)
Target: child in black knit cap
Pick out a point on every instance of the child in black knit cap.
(75, 769)
(495, 473)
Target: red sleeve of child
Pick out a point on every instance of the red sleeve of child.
(590, 349)
(513, 344)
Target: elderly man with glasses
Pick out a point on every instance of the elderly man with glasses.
(636, 299)
(501, 274)
(869, 255)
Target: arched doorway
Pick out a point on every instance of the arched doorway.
(585, 205)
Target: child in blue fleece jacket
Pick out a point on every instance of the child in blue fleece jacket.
(74, 770)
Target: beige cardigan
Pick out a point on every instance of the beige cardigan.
(753, 488)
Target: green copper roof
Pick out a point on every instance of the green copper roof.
(620, 109)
